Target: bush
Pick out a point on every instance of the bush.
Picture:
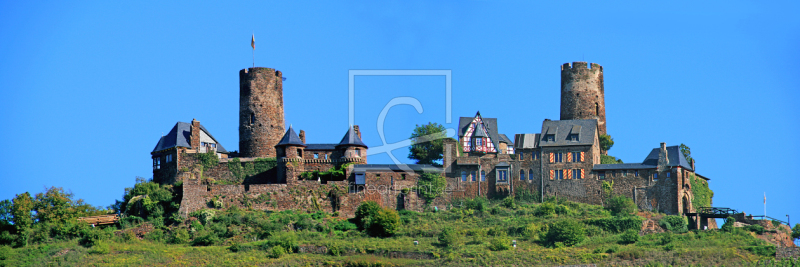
(499, 244)
(758, 229)
(179, 236)
(385, 223)
(277, 252)
(728, 226)
(449, 238)
(547, 208)
(666, 238)
(478, 203)
(621, 206)
(568, 231)
(674, 223)
(92, 236)
(617, 224)
(764, 251)
(629, 237)
(796, 231)
(100, 247)
(365, 212)
(508, 202)
(286, 240)
(344, 226)
(205, 238)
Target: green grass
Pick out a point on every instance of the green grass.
(255, 233)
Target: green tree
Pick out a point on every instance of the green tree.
(385, 223)
(5, 212)
(620, 205)
(365, 212)
(57, 206)
(449, 238)
(568, 232)
(430, 186)
(427, 143)
(606, 142)
(796, 231)
(687, 152)
(149, 200)
(21, 211)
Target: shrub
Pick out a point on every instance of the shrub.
(385, 223)
(205, 238)
(344, 226)
(674, 223)
(365, 212)
(629, 237)
(92, 236)
(758, 229)
(478, 204)
(547, 208)
(449, 238)
(764, 251)
(621, 206)
(100, 247)
(796, 231)
(499, 244)
(533, 231)
(277, 252)
(157, 235)
(179, 236)
(617, 224)
(286, 240)
(508, 202)
(568, 231)
(728, 226)
(666, 238)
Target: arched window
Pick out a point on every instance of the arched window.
(596, 109)
(530, 174)
(521, 175)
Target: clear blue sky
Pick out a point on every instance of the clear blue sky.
(88, 88)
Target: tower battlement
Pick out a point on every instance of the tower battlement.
(261, 120)
(583, 93)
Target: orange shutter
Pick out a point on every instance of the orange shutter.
(581, 156)
(552, 158)
(569, 173)
(569, 156)
(583, 172)
(552, 173)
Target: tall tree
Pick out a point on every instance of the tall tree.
(21, 211)
(427, 143)
(687, 152)
(606, 142)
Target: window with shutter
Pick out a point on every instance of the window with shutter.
(583, 173)
(552, 157)
(569, 173)
(552, 173)
(582, 156)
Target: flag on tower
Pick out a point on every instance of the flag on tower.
(253, 42)
(765, 198)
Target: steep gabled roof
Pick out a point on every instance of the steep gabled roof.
(489, 124)
(674, 158)
(181, 136)
(504, 138)
(586, 130)
(351, 139)
(290, 138)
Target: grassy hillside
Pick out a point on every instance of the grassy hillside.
(478, 232)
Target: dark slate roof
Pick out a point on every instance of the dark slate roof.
(320, 147)
(526, 140)
(504, 138)
(396, 167)
(623, 166)
(180, 136)
(480, 132)
(351, 139)
(587, 128)
(290, 138)
(491, 127)
(674, 157)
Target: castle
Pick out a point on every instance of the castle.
(276, 169)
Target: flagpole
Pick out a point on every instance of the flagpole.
(765, 205)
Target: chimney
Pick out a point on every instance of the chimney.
(357, 131)
(663, 159)
(693, 169)
(303, 136)
(194, 138)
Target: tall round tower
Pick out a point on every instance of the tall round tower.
(261, 123)
(582, 93)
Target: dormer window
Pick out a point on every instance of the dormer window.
(550, 138)
(572, 138)
(478, 141)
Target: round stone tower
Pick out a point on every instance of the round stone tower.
(582, 93)
(261, 123)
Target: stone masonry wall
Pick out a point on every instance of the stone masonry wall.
(583, 93)
(260, 100)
